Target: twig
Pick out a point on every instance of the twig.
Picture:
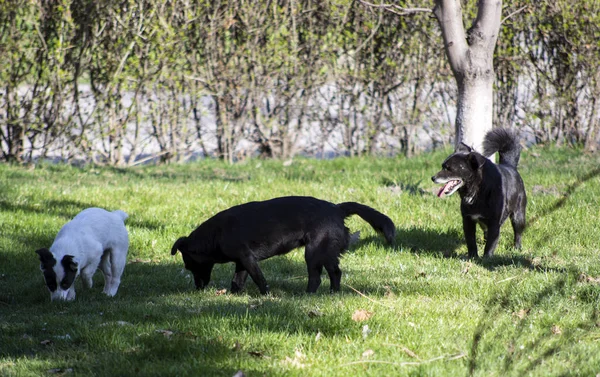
(449, 358)
(396, 9)
(293, 278)
(406, 350)
(512, 14)
(141, 161)
(367, 297)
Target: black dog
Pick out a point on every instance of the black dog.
(490, 193)
(250, 232)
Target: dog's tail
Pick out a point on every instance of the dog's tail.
(122, 215)
(177, 245)
(506, 143)
(376, 219)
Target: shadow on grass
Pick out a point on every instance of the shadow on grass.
(413, 188)
(526, 351)
(183, 175)
(497, 261)
(157, 323)
(420, 240)
(560, 202)
(67, 209)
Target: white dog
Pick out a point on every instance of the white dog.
(95, 238)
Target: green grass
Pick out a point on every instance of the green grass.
(431, 311)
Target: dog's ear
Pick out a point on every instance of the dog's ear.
(476, 160)
(69, 264)
(178, 245)
(46, 257)
(462, 147)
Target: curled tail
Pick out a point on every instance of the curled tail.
(506, 143)
(122, 215)
(178, 244)
(376, 219)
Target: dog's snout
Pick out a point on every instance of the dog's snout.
(433, 178)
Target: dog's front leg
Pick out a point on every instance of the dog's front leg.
(239, 278)
(202, 274)
(469, 228)
(492, 240)
(71, 293)
(251, 266)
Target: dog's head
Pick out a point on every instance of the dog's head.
(192, 261)
(59, 275)
(462, 168)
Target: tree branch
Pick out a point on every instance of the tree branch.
(396, 9)
(449, 16)
(513, 13)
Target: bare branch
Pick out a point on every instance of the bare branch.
(396, 9)
(513, 13)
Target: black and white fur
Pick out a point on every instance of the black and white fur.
(251, 232)
(95, 238)
(490, 193)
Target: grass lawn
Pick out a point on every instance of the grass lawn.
(418, 308)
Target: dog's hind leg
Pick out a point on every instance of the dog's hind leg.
(106, 271)
(493, 235)
(335, 274)
(314, 266)
(239, 278)
(517, 220)
(118, 259)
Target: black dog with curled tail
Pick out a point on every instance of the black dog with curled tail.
(254, 231)
(490, 193)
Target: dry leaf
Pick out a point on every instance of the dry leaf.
(522, 313)
(318, 336)
(588, 279)
(388, 292)
(410, 353)
(46, 342)
(315, 313)
(511, 348)
(220, 292)
(256, 354)
(237, 346)
(166, 333)
(556, 330)
(368, 353)
(361, 315)
(536, 262)
(297, 361)
(467, 267)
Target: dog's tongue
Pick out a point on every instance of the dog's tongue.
(440, 193)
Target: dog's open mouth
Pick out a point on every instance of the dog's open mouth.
(450, 187)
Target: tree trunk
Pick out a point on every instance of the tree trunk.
(474, 111)
(471, 58)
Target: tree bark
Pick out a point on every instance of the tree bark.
(471, 56)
